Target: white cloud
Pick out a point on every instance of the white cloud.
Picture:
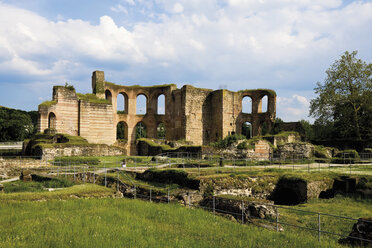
(178, 8)
(119, 9)
(239, 43)
(130, 2)
(293, 108)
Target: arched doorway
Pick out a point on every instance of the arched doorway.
(141, 104)
(160, 129)
(52, 119)
(247, 105)
(161, 105)
(122, 131)
(247, 129)
(108, 96)
(122, 103)
(264, 104)
(141, 131)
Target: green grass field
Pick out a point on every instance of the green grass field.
(112, 222)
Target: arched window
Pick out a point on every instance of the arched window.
(52, 120)
(122, 103)
(247, 130)
(247, 105)
(141, 105)
(161, 104)
(108, 95)
(122, 131)
(140, 130)
(264, 104)
(160, 129)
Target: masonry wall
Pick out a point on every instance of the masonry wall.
(96, 123)
(197, 115)
(197, 112)
(65, 110)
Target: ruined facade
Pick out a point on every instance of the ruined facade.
(192, 114)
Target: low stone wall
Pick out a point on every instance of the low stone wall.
(90, 150)
(296, 150)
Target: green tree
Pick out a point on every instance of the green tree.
(246, 130)
(161, 131)
(15, 125)
(344, 98)
(140, 131)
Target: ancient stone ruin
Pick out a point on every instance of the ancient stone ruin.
(192, 114)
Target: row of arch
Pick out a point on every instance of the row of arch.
(140, 130)
(141, 103)
(247, 106)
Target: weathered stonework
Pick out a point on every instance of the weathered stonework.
(192, 114)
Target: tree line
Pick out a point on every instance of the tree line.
(17, 125)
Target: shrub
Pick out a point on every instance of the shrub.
(243, 145)
(228, 140)
(346, 156)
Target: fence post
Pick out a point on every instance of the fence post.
(214, 205)
(277, 219)
(242, 212)
(319, 227)
(135, 192)
(188, 196)
(168, 195)
(117, 181)
(105, 177)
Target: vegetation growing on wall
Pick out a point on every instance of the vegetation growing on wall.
(228, 140)
(53, 140)
(92, 98)
(47, 103)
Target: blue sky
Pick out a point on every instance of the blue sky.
(235, 44)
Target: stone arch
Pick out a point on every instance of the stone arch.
(264, 104)
(247, 129)
(52, 120)
(161, 104)
(160, 131)
(122, 103)
(140, 130)
(108, 95)
(141, 104)
(247, 105)
(122, 131)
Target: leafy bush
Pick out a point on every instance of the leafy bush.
(228, 140)
(346, 156)
(321, 152)
(243, 145)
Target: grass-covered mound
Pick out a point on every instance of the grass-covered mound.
(35, 145)
(132, 223)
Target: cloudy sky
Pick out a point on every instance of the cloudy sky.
(235, 44)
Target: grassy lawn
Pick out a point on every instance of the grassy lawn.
(130, 223)
(342, 206)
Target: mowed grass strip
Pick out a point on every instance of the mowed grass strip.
(111, 222)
